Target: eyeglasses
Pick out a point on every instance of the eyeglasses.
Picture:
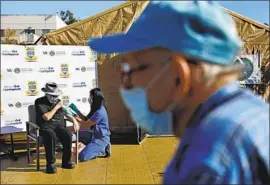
(127, 72)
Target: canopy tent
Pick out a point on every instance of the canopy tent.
(114, 20)
(118, 19)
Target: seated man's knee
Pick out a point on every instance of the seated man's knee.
(66, 135)
(48, 134)
(69, 136)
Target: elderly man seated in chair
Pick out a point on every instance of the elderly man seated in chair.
(50, 119)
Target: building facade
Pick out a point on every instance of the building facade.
(29, 28)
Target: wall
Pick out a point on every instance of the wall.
(59, 23)
(33, 21)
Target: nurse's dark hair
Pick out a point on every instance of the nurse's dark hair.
(98, 101)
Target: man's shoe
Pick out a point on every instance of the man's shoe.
(108, 151)
(51, 169)
(69, 165)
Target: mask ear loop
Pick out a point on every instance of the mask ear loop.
(150, 84)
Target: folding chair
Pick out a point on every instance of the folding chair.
(33, 133)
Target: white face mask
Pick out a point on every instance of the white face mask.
(51, 98)
(90, 100)
(137, 103)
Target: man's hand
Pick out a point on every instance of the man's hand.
(47, 116)
(76, 126)
(78, 119)
(59, 105)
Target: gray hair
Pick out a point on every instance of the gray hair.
(211, 72)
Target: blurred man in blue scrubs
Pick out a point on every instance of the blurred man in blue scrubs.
(178, 74)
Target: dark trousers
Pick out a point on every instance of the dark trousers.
(50, 135)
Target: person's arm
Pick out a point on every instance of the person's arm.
(81, 116)
(95, 118)
(76, 124)
(69, 117)
(78, 112)
(48, 115)
(85, 124)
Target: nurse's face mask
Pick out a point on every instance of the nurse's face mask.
(90, 99)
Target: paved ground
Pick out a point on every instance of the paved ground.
(129, 164)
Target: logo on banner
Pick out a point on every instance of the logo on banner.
(84, 100)
(79, 84)
(93, 56)
(65, 100)
(61, 86)
(78, 53)
(18, 105)
(54, 53)
(84, 69)
(46, 70)
(13, 122)
(31, 54)
(64, 71)
(32, 88)
(10, 53)
(24, 104)
(12, 88)
(19, 70)
(94, 83)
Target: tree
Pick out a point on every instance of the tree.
(9, 37)
(68, 17)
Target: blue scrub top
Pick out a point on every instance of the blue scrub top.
(100, 117)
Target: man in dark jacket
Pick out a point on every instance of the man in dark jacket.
(50, 119)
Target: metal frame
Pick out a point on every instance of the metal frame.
(96, 66)
(141, 135)
(37, 141)
(10, 151)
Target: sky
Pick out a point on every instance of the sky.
(256, 10)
